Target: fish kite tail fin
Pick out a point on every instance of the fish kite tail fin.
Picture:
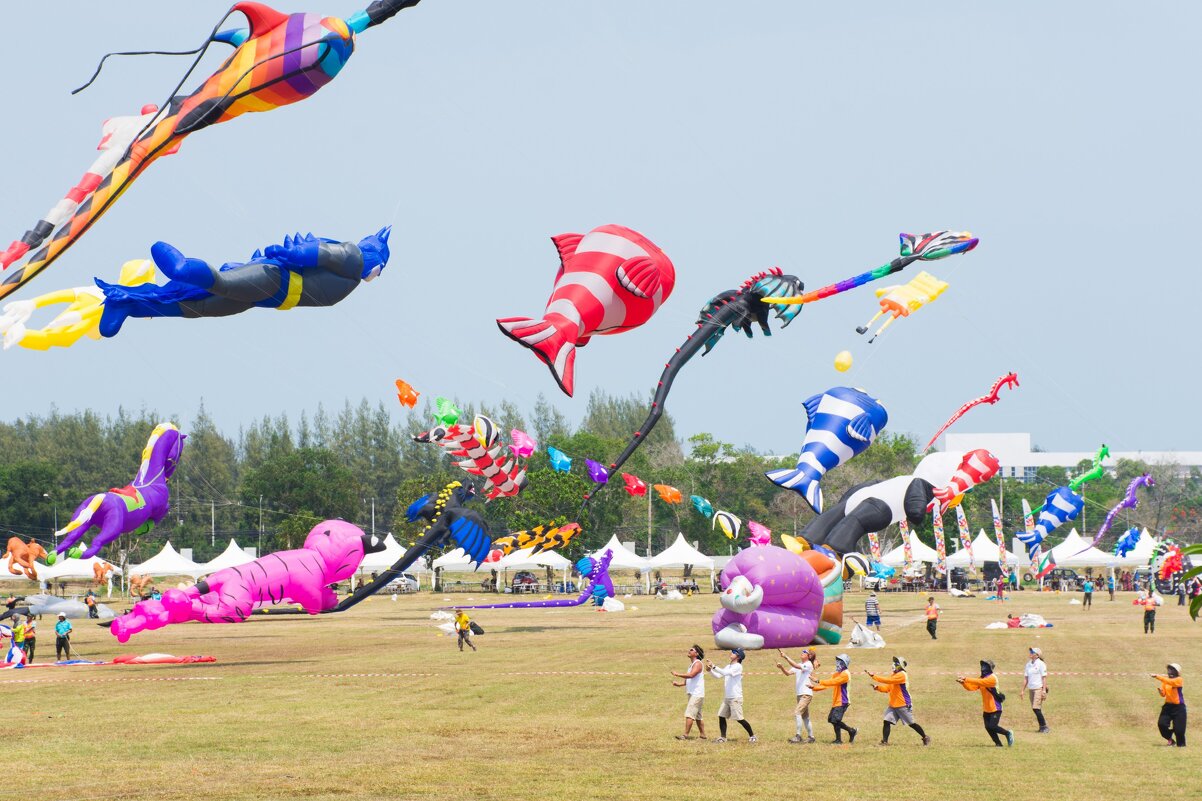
(802, 481)
(554, 345)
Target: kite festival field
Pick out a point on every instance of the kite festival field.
(576, 704)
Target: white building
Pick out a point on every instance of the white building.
(1019, 461)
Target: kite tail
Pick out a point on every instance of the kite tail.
(377, 13)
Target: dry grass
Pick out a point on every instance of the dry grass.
(573, 704)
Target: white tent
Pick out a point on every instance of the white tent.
(74, 568)
(920, 551)
(1068, 553)
(38, 568)
(984, 549)
(456, 561)
(232, 556)
(382, 560)
(167, 562)
(1140, 554)
(527, 560)
(679, 554)
(623, 557)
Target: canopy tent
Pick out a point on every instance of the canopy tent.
(720, 561)
(74, 568)
(527, 560)
(1068, 553)
(5, 573)
(1140, 554)
(679, 554)
(921, 553)
(456, 561)
(232, 556)
(623, 557)
(984, 549)
(167, 562)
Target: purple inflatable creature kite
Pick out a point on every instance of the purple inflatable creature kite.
(595, 570)
(332, 553)
(133, 509)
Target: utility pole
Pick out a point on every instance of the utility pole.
(259, 552)
(648, 523)
(213, 523)
(373, 517)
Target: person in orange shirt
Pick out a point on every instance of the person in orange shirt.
(933, 611)
(901, 708)
(840, 699)
(1149, 603)
(991, 701)
(1172, 714)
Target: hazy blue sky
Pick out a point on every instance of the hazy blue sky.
(737, 136)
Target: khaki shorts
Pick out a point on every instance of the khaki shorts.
(1037, 697)
(693, 710)
(899, 714)
(803, 705)
(731, 708)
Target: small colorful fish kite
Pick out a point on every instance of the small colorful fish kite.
(758, 535)
(596, 471)
(481, 453)
(669, 494)
(522, 444)
(728, 522)
(279, 59)
(560, 461)
(445, 412)
(634, 484)
(1127, 542)
(840, 423)
(903, 299)
(405, 394)
(702, 506)
(1129, 501)
(610, 280)
(1008, 380)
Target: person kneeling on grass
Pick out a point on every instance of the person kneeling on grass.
(803, 670)
(840, 699)
(694, 687)
(991, 701)
(901, 708)
(732, 700)
(1172, 714)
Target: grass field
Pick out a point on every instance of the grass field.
(575, 704)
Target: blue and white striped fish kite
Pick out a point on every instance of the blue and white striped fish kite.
(840, 423)
(1061, 506)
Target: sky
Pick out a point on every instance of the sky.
(737, 136)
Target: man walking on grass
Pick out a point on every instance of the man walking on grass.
(1035, 682)
(694, 687)
(803, 670)
(933, 611)
(732, 701)
(872, 609)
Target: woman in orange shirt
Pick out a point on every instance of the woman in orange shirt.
(1172, 714)
(840, 700)
(991, 701)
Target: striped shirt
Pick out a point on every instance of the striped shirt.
(871, 607)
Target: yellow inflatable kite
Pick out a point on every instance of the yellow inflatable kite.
(902, 299)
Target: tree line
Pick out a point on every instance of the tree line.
(269, 483)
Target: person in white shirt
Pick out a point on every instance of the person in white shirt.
(694, 687)
(732, 700)
(1035, 681)
(805, 693)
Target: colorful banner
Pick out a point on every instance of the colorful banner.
(874, 545)
(904, 527)
(940, 546)
(1001, 536)
(965, 536)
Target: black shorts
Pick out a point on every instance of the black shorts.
(836, 714)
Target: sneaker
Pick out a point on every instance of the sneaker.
(1010, 738)
(796, 738)
(720, 740)
(683, 737)
(1045, 730)
(883, 742)
(851, 736)
(926, 740)
(752, 740)
(836, 742)
(809, 740)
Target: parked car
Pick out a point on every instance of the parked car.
(1070, 577)
(406, 582)
(524, 578)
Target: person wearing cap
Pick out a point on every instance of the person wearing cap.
(933, 611)
(901, 707)
(840, 699)
(463, 625)
(1035, 682)
(1087, 590)
(1149, 603)
(62, 638)
(803, 671)
(694, 687)
(19, 633)
(872, 611)
(1172, 714)
(991, 701)
(732, 698)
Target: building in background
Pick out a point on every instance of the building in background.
(1019, 461)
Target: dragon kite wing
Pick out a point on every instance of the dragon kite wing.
(279, 59)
